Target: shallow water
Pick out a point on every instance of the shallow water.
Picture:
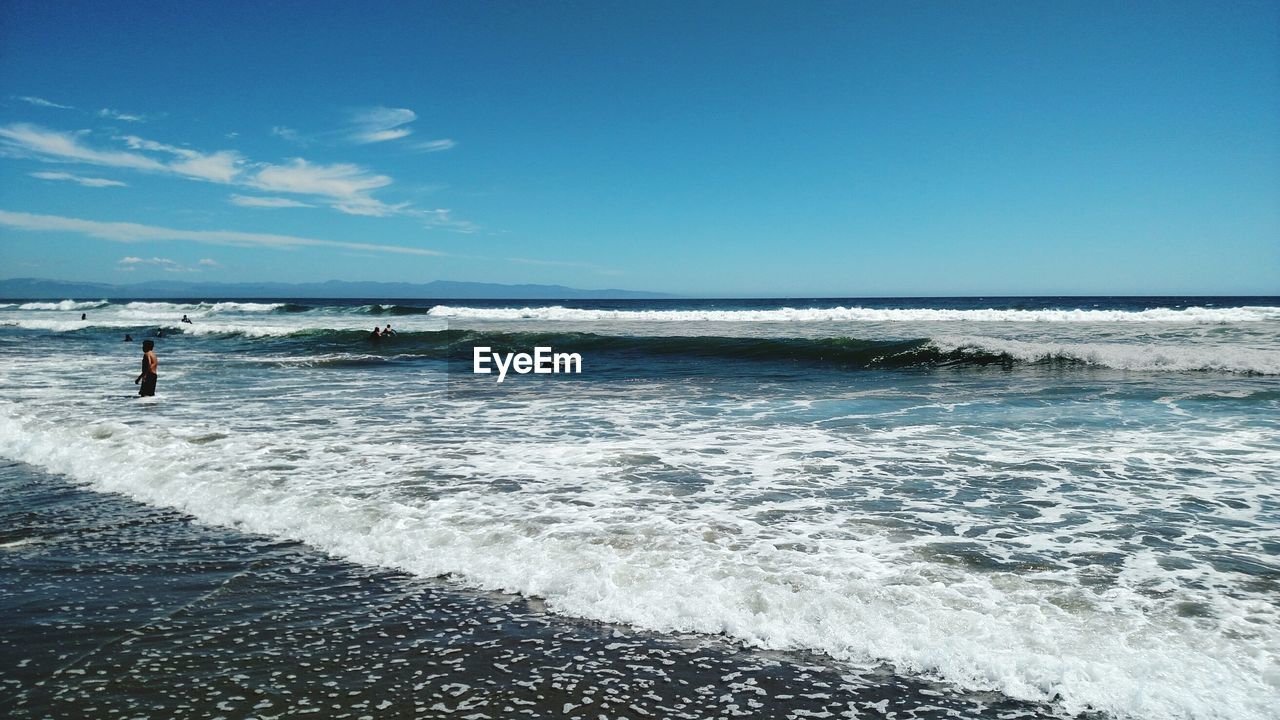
(119, 609)
(1076, 506)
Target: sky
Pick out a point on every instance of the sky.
(793, 149)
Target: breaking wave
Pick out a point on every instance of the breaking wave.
(862, 314)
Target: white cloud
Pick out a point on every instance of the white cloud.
(117, 115)
(384, 135)
(135, 232)
(41, 102)
(346, 187)
(379, 124)
(220, 167)
(51, 144)
(137, 143)
(209, 262)
(436, 145)
(86, 181)
(372, 125)
(129, 264)
(146, 261)
(266, 202)
(443, 218)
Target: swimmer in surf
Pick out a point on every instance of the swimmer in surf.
(149, 364)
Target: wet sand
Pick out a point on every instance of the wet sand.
(115, 609)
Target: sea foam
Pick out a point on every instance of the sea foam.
(65, 305)
(595, 545)
(1143, 357)
(868, 315)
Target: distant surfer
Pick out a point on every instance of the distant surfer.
(128, 337)
(149, 364)
(376, 334)
(84, 316)
(160, 332)
(187, 320)
(388, 332)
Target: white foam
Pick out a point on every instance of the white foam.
(203, 307)
(63, 305)
(1141, 356)
(867, 315)
(760, 548)
(239, 322)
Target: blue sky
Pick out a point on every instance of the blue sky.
(702, 148)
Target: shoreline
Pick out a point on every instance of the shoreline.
(118, 608)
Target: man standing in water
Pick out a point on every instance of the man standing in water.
(148, 377)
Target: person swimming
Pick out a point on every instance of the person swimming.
(128, 337)
(186, 319)
(376, 334)
(388, 332)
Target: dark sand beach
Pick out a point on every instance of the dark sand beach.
(116, 609)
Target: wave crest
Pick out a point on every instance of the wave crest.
(64, 305)
(1199, 315)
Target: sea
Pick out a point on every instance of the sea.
(1040, 507)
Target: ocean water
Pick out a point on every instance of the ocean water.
(1050, 506)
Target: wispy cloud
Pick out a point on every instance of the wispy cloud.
(266, 202)
(220, 167)
(435, 145)
(41, 102)
(21, 138)
(380, 124)
(135, 232)
(286, 133)
(86, 181)
(117, 115)
(444, 219)
(32, 140)
(129, 264)
(342, 186)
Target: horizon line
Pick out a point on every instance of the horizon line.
(659, 295)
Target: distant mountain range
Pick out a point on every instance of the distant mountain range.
(40, 289)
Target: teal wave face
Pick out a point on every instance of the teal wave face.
(836, 353)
